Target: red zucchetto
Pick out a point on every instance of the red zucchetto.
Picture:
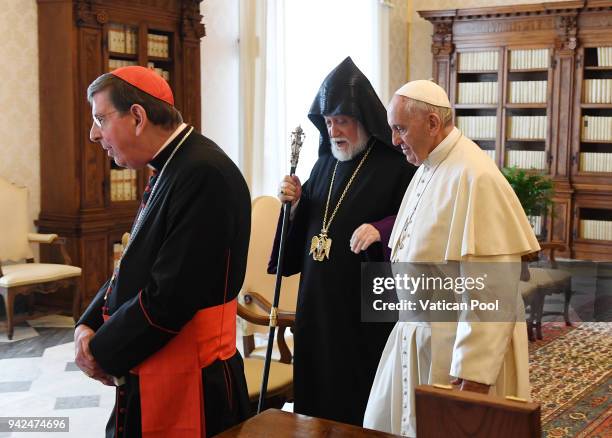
(146, 80)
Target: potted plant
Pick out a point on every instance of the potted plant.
(534, 191)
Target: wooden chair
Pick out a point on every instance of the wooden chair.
(19, 278)
(264, 218)
(545, 280)
(255, 298)
(280, 378)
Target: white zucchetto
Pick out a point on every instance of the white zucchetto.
(425, 91)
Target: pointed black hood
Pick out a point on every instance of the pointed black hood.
(347, 91)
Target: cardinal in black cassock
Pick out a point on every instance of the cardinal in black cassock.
(165, 323)
(336, 354)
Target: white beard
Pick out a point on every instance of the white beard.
(352, 150)
(350, 153)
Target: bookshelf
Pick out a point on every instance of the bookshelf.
(84, 195)
(475, 96)
(552, 114)
(592, 148)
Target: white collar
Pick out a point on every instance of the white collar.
(169, 140)
(444, 147)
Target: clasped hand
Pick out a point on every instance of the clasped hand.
(83, 357)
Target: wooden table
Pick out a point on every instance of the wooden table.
(274, 423)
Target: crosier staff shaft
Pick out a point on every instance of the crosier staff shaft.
(297, 137)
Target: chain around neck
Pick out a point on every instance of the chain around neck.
(326, 223)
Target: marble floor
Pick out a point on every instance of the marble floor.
(38, 378)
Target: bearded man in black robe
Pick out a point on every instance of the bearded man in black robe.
(337, 220)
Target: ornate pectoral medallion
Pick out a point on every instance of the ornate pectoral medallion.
(320, 246)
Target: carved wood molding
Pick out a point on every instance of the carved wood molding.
(514, 18)
(505, 12)
(191, 20)
(85, 16)
(442, 41)
(567, 28)
(44, 288)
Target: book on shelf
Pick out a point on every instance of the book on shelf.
(604, 56)
(116, 63)
(529, 59)
(596, 128)
(116, 38)
(160, 71)
(527, 92)
(117, 252)
(478, 127)
(124, 185)
(477, 92)
(596, 162)
(478, 61)
(158, 45)
(595, 229)
(122, 39)
(536, 223)
(597, 91)
(527, 127)
(526, 159)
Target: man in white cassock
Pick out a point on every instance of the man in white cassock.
(457, 211)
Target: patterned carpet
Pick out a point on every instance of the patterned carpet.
(571, 376)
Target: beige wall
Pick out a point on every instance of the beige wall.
(19, 112)
(398, 51)
(419, 40)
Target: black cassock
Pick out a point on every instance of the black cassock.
(199, 219)
(336, 355)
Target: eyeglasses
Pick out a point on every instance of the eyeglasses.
(100, 118)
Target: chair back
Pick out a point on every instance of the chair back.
(264, 219)
(14, 222)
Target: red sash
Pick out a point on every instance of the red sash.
(171, 390)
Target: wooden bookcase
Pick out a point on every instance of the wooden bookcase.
(81, 197)
(559, 54)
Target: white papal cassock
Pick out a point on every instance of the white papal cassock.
(458, 207)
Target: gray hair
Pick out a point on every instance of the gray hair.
(445, 114)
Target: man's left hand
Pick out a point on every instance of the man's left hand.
(363, 237)
(83, 357)
(470, 385)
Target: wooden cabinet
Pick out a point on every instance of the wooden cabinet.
(532, 85)
(84, 195)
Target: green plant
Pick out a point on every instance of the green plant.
(534, 191)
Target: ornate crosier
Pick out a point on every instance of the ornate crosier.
(297, 140)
